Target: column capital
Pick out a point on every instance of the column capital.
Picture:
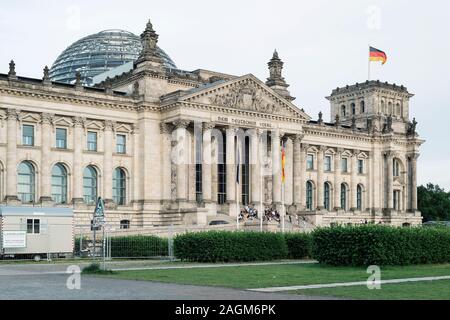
(181, 123)
(322, 148)
(208, 126)
(165, 128)
(305, 146)
(339, 151)
(79, 121)
(47, 118)
(299, 137)
(390, 154)
(414, 156)
(135, 128)
(232, 130)
(12, 114)
(110, 125)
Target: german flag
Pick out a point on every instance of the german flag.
(377, 55)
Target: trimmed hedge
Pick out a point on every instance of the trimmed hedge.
(138, 246)
(299, 245)
(226, 246)
(380, 245)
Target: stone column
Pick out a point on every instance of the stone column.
(79, 143)
(337, 179)
(207, 162)
(181, 154)
(276, 167)
(303, 155)
(166, 160)
(320, 159)
(12, 116)
(414, 158)
(231, 165)
(390, 180)
(297, 172)
(46, 145)
(107, 161)
(255, 165)
(353, 172)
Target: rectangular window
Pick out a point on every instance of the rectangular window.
(327, 163)
(28, 135)
(92, 141)
(198, 168)
(344, 165)
(61, 138)
(33, 226)
(309, 162)
(121, 144)
(222, 171)
(360, 166)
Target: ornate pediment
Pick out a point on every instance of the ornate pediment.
(245, 93)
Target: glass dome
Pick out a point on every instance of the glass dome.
(99, 53)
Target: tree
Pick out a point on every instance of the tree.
(433, 202)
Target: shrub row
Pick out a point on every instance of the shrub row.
(138, 246)
(226, 246)
(380, 245)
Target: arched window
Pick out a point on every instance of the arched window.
(59, 183)
(90, 184)
(309, 195)
(362, 106)
(383, 107)
(353, 108)
(343, 111)
(26, 182)
(344, 196)
(326, 196)
(389, 111)
(359, 191)
(119, 186)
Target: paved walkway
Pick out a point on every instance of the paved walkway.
(346, 284)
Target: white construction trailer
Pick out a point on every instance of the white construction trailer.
(36, 232)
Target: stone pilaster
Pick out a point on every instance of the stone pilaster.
(166, 161)
(390, 180)
(181, 154)
(79, 143)
(320, 159)
(255, 165)
(297, 172)
(414, 158)
(46, 144)
(231, 164)
(353, 182)
(207, 162)
(12, 116)
(337, 179)
(107, 161)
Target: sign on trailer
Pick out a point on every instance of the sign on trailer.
(14, 239)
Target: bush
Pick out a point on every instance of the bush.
(380, 245)
(226, 246)
(94, 268)
(299, 245)
(138, 246)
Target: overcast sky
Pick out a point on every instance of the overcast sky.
(324, 44)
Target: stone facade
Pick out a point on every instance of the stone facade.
(162, 144)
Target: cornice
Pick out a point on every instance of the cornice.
(67, 98)
(232, 111)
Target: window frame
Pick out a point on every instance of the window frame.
(63, 185)
(57, 146)
(309, 156)
(89, 142)
(24, 137)
(344, 169)
(121, 145)
(360, 166)
(327, 165)
(32, 225)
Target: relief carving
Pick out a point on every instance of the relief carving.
(246, 96)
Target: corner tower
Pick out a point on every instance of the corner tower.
(381, 105)
(276, 80)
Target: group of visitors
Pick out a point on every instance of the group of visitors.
(248, 213)
(271, 214)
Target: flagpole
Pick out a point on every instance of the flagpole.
(237, 183)
(368, 66)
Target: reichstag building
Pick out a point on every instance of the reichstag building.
(115, 118)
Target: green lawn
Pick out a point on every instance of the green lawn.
(429, 290)
(245, 277)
